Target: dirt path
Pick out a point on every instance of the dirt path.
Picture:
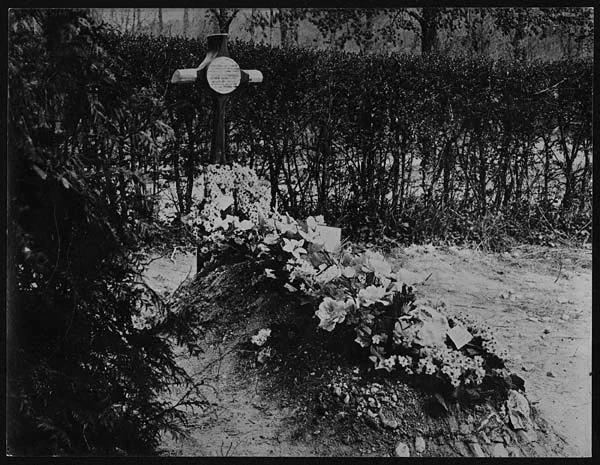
(544, 321)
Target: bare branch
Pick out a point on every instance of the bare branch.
(414, 15)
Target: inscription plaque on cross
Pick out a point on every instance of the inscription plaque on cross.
(222, 76)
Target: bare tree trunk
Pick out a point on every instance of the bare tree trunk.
(288, 29)
(519, 51)
(447, 167)
(546, 172)
(270, 26)
(160, 21)
(429, 30)
(482, 178)
(224, 17)
(177, 175)
(585, 178)
(127, 20)
(283, 29)
(251, 25)
(186, 21)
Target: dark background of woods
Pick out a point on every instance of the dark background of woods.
(421, 147)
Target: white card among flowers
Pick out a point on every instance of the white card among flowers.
(331, 237)
(459, 336)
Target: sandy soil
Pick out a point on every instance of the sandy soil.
(537, 299)
(543, 317)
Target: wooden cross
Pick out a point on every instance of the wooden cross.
(222, 76)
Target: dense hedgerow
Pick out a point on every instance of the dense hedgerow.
(464, 149)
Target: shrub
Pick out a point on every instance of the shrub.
(85, 371)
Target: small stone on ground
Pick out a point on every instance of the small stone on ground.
(476, 449)
(402, 450)
(420, 444)
(498, 450)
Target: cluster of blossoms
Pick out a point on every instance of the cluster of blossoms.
(426, 366)
(404, 362)
(458, 367)
(230, 187)
(438, 360)
(252, 194)
(350, 288)
(261, 337)
(332, 312)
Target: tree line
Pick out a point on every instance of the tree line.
(517, 33)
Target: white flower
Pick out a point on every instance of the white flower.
(271, 239)
(404, 361)
(386, 363)
(300, 268)
(294, 247)
(332, 312)
(375, 262)
(313, 237)
(349, 272)
(285, 227)
(261, 337)
(371, 294)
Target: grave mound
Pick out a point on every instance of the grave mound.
(334, 393)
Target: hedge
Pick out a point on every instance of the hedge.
(363, 138)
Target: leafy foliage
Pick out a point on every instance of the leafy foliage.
(82, 377)
(408, 147)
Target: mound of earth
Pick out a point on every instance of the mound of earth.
(312, 393)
